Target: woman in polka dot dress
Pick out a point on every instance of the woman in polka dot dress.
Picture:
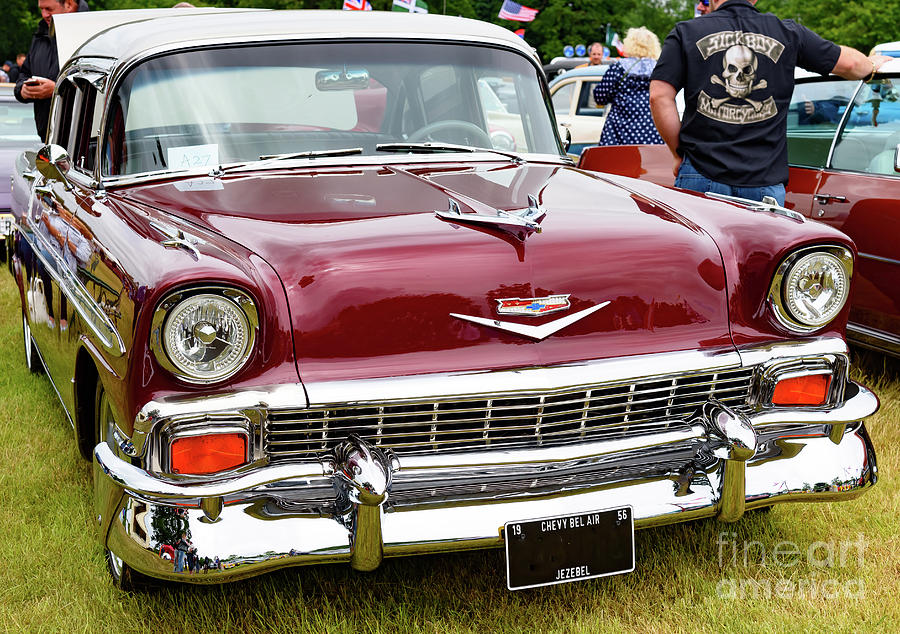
(626, 87)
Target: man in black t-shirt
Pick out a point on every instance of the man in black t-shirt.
(736, 67)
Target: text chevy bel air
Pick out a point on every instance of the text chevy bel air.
(306, 298)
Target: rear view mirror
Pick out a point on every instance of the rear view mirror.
(344, 79)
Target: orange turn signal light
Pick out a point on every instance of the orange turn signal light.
(811, 389)
(209, 453)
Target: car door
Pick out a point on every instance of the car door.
(854, 186)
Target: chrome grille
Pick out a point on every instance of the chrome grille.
(597, 413)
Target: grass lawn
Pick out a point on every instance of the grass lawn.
(690, 577)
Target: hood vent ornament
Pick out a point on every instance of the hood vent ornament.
(519, 223)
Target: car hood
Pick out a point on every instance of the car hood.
(379, 285)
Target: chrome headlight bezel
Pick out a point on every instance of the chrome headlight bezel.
(232, 299)
(785, 312)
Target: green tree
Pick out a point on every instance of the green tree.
(20, 22)
(861, 24)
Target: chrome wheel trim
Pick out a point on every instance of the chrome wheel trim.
(105, 422)
(26, 330)
(116, 566)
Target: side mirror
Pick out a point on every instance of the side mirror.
(566, 135)
(53, 162)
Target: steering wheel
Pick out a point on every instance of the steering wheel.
(461, 128)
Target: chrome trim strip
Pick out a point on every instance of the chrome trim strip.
(391, 160)
(76, 293)
(757, 355)
(874, 339)
(519, 381)
(879, 258)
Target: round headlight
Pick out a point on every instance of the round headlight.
(206, 337)
(815, 288)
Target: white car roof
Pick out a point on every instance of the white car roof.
(124, 35)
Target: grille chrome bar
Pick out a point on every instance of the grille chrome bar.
(475, 422)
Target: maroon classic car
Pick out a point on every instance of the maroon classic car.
(843, 139)
(306, 298)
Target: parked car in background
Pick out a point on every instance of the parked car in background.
(358, 329)
(843, 140)
(559, 65)
(572, 94)
(892, 49)
(17, 133)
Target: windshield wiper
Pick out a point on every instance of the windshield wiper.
(347, 151)
(273, 158)
(427, 148)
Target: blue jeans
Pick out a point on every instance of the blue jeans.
(690, 178)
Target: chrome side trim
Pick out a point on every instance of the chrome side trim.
(756, 355)
(874, 339)
(76, 293)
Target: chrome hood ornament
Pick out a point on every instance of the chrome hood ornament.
(533, 332)
(519, 223)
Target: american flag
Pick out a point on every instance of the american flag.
(357, 5)
(515, 11)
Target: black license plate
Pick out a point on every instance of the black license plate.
(566, 548)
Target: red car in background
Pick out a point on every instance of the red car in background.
(843, 143)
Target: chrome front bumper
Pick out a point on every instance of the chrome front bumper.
(360, 504)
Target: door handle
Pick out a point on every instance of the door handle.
(824, 199)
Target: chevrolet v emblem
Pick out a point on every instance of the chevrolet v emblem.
(534, 332)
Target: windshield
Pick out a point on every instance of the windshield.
(219, 106)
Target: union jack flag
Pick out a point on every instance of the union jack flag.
(357, 5)
(515, 11)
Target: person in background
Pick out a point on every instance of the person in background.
(595, 55)
(701, 8)
(37, 77)
(626, 87)
(4, 78)
(736, 67)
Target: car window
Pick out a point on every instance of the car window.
(194, 109)
(586, 104)
(871, 133)
(813, 116)
(562, 98)
(86, 127)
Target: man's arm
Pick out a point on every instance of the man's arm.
(854, 65)
(665, 116)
